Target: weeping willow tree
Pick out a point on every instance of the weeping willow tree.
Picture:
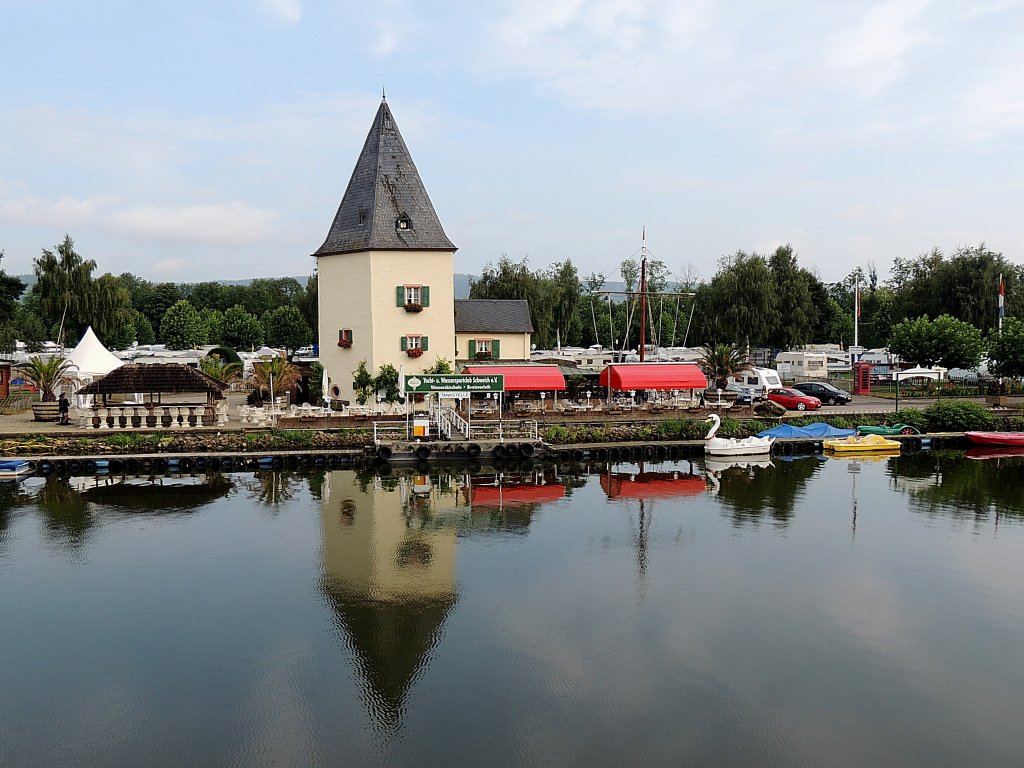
(65, 286)
(71, 300)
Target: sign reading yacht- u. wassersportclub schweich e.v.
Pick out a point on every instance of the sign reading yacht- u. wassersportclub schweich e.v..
(453, 382)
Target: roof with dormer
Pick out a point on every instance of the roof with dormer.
(386, 206)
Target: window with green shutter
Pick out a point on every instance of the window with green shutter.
(423, 343)
(472, 349)
(405, 343)
(400, 296)
(496, 349)
(425, 295)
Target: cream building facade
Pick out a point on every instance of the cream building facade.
(385, 268)
(492, 329)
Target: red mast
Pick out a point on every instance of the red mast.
(643, 293)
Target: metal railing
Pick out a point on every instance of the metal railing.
(452, 420)
(385, 432)
(504, 430)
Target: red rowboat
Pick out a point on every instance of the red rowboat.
(996, 438)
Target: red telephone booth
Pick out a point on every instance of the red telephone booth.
(862, 378)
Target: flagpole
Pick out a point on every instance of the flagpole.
(1002, 306)
(856, 313)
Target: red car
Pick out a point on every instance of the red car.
(793, 399)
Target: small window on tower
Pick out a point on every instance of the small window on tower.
(362, 215)
(403, 222)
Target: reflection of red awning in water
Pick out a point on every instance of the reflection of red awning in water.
(524, 378)
(662, 376)
(652, 485)
(516, 495)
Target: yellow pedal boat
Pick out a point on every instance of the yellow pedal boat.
(862, 444)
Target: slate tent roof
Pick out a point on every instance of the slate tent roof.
(385, 189)
(492, 316)
(171, 378)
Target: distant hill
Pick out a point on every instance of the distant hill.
(461, 282)
(30, 280)
(462, 286)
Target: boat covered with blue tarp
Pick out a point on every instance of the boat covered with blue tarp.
(817, 430)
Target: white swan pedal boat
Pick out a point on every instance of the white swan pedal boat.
(733, 446)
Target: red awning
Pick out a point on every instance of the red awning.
(523, 378)
(652, 485)
(654, 376)
(516, 495)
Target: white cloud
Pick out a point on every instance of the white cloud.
(19, 206)
(289, 11)
(386, 40)
(220, 224)
(873, 53)
(856, 73)
(168, 266)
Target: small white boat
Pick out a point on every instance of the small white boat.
(732, 446)
(10, 468)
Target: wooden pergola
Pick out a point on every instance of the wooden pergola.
(152, 382)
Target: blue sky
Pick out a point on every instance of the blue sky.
(193, 141)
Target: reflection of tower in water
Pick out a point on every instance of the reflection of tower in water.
(389, 565)
(390, 580)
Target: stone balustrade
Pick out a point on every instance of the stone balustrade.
(182, 416)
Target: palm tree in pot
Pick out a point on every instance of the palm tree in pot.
(275, 376)
(48, 376)
(722, 361)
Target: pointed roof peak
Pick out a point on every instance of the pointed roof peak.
(386, 206)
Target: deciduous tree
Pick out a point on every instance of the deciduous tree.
(182, 327)
(1006, 350)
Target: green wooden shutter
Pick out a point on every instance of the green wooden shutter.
(425, 295)
(496, 349)
(405, 343)
(472, 349)
(423, 343)
(400, 296)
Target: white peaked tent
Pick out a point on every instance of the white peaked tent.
(91, 359)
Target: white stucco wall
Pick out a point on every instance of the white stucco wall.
(357, 291)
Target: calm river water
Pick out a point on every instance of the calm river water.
(813, 612)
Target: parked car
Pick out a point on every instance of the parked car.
(743, 394)
(829, 394)
(793, 399)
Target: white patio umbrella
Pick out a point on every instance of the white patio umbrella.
(325, 390)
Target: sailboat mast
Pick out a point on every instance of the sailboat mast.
(643, 292)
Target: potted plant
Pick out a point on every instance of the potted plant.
(414, 352)
(48, 376)
(413, 307)
(345, 344)
(483, 355)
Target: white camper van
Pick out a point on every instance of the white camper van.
(758, 381)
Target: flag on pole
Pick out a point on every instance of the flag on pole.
(856, 300)
(1002, 302)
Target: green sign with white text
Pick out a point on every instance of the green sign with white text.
(423, 383)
